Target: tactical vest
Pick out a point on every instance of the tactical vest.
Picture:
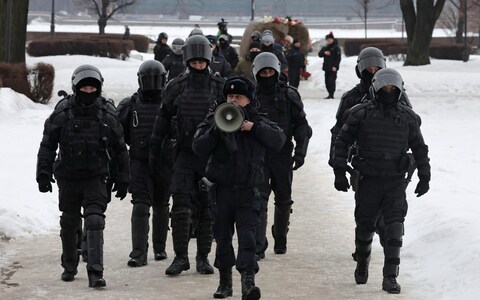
(84, 139)
(141, 126)
(193, 106)
(383, 137)
(278, 110)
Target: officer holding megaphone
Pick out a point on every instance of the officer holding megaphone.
(235, 138)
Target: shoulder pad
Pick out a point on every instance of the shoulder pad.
(294, 95)
(175, 80)
(360, 106)
(410, 112)
(218, 79)
(62, 104)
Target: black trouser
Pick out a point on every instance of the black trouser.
(190, 205)
(91, 194)
(330, 78)
(147, 190)
(279, 176)
(385, 194)
(293, 77)
(239, 208)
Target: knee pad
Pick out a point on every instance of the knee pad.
(70, 221)
(362, 235)
(141, 210)
(394, 231)
(94, 218)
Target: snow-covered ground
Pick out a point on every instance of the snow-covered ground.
(440, 257)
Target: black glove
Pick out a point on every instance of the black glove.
(45, 183)
(298, 161)
(422, 187)
(121, 188)
(341, 181)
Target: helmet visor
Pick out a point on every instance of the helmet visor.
(201, 51)
(371, 61)
(151, 82)
(387, 79)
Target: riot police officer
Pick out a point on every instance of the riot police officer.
(85, 129)
(384, 130)
(187, 99)
(284, 106)
(173, 62)
(149, 187)
(237, 163)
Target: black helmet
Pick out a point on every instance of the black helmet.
(177, 46)
(370, 57)
(265, 60)
(256, 36)
(197, 47)
(87, 75)
(151, 75)
(162, 35)
(384, 78)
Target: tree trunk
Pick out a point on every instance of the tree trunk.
(102, 23)
(420, 27)
(460, 23)
(13, 30)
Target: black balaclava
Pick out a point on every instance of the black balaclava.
(87, 99)
(151, 95)
(388, 98)
(199, 77)
(367, 78)
(267, 84)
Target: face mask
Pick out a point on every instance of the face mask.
(253, 55)
(367, 77)
(86, 98)
(387, 98)
(267, 83)
(151, 94)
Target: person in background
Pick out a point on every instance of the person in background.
(332, 56)
(296, 63)
(161, 49)
(244, 66)
(173, 62)
(228, 51)
(126, 34)
(219, 65)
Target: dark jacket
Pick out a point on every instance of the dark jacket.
(219, 65)
(87, 138)
(383, 134)
(332, 60)
(296, 63)
(174, 65)
(243, 167)
(230, 54)
(285, 108)
(161, 51)
(186, 102)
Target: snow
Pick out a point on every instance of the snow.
(440, 257)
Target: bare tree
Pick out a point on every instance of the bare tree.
(13, 30)
(105, 9)
(420, 19)
(364, 6)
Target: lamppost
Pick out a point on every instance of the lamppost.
(52, 20)
(8, 32)
(466, 53)
(252, 6)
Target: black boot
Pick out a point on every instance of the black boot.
(70, 225)
(140, 228)
(249, 290)
(280, 227)
(95, 258)
(203, 265)
(363, 248)
(181, 236)
(390, 285)
(225, 287)
(393, 243)
(160, 220)
(204, 242)
(179, 264)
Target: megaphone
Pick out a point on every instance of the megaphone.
(229, 117)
